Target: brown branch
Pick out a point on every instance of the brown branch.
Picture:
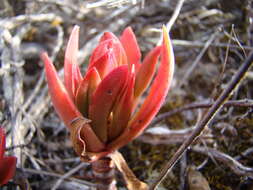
(227, 160)
(68, 174)
(56, 175)
(215, 108)
(201, 105)
(167, 136)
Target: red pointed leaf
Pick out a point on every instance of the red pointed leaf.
(7, 169)
(63, 104)
(7, 164)
(146, 72)
(107, 55)
(94, 81)
(155, 98)
(104, 64)
(101, 50)
(131, 47)
(116, 46)
(81, 99)
(2, 142)
(86, 89)
(108, 36)
(123, 108)
(103, 100)
(72, 74)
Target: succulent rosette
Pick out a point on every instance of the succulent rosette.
(105, 109)
(7, 163)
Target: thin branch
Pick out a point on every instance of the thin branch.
(68, 174)
(162, 135)
(79, 8)
(227, 160)
(225, 95)
(40, 172)
(13, 22)
(198, 58)
(201, 105)
(175, 14)
(198, 44)
(173, 18)
(40, 81)
(16, 146)
(245, 153)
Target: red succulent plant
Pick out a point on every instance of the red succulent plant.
(102, 109)
(7, 163)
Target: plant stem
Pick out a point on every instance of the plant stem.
(104, 173)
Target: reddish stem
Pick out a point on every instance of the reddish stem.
(104, 173)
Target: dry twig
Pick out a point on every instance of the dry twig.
(227, 160)
(200, 105)
(40, 172)
(68, 174)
